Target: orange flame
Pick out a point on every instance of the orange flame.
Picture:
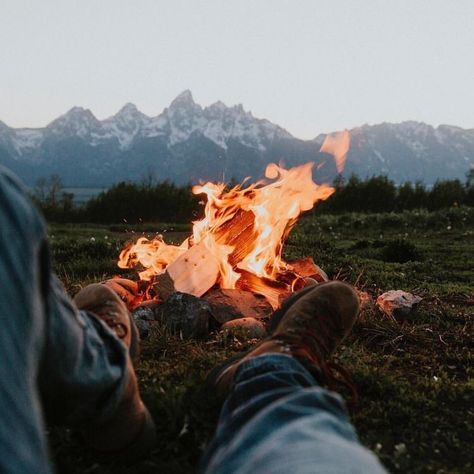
(337, 145)
(244, 228)
(154, 255)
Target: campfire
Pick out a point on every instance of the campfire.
(236, 249)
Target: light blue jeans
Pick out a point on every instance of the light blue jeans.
(278, 420)
(56, 363)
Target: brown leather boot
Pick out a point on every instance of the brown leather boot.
(130, 434)
(309, 326)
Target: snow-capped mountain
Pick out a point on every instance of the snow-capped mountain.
(176, 124)
(410, 151)
(187, 143)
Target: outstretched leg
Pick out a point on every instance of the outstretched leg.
(277, 418)
(55, 361)
(23, 309)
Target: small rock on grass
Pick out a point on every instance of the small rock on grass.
(144, 316)
(143, 313)
(397, 303)
(143, 328)
(251, 326)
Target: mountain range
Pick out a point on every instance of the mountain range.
(189, 143)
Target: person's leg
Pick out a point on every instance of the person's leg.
(51, 354)
(83, 370)
(22, 319)
(277, 419)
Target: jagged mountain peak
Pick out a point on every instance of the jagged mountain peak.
(219, 105)
(184, 99)
(129, 109)
(239, 108)
(128, 115)
(76, 121)
(78, 112)
(219, 109)
(75, 114)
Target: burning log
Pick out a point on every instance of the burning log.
(305, 267)
(238, 232)
(274, 291)
(163, 286)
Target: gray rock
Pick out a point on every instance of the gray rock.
(144, 315)
(397, 303)
(228, 304)
(250, 326)
(187, 315)
(143, 328)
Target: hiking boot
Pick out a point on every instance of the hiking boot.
(309, 326)
(107, 305)
(130, 434)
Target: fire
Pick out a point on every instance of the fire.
(244, 228)
(338, 146)
(153, 255)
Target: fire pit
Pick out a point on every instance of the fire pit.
(233, 260)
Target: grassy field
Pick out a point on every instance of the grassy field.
(415, 377)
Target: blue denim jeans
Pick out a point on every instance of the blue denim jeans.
(278, 420)
(56, 363)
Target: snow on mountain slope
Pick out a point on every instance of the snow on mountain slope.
(217, 122)
(176, 123)
(125, 125)
(26, 139)
(410, 151)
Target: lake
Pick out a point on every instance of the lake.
(82, 195)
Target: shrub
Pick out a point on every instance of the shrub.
(400, 251)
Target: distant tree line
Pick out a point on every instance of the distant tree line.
(151, 201)
(380, 194)
(146, 202)
(124, 202)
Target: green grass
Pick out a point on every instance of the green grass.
(415, 377)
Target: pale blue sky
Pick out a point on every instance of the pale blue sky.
(309, 65)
